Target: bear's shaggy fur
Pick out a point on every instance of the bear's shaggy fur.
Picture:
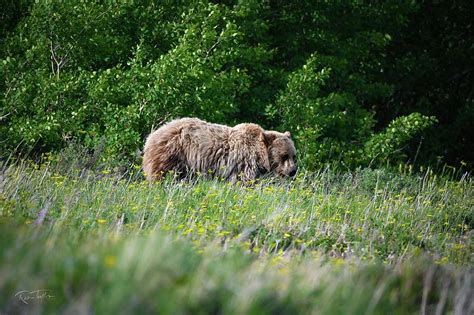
(243, 152)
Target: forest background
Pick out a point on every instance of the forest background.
(357, 83)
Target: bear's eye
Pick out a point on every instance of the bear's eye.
(285, 157)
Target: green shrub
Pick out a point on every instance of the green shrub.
(328, 125)
(389, 142)
(108, 73)
(335, 127)
(207, 73)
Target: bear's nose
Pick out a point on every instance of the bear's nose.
(293, 172)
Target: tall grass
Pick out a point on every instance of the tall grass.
(368, 241)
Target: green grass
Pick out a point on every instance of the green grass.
(361, 242)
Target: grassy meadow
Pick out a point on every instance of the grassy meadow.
(76, 240)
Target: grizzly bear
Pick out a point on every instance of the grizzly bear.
(243, 152)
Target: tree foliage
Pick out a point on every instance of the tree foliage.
(356, 82)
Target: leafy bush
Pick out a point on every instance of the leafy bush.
(328, 126)
(334, 126)
(388, 143)
(206, 74)
(109, 73)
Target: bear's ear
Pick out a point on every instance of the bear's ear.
(269, 137)
(288, 134)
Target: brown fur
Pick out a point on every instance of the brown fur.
(190, 145)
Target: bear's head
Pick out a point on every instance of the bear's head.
(281, 153)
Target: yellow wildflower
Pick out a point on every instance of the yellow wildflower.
(110, 261)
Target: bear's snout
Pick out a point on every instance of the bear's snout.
(293, 172)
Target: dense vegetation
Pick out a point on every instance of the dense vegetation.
(360, 84)
(364, 242)
(357, 82)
